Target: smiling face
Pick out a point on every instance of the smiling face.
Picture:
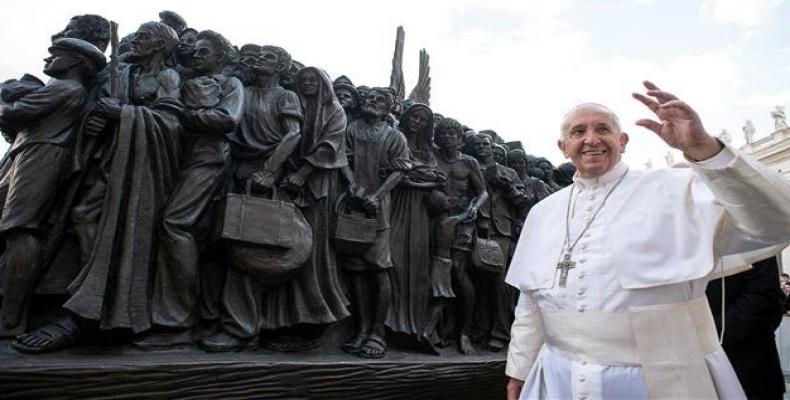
(592, 139)
(308, 83)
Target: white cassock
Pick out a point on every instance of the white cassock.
(633, 322)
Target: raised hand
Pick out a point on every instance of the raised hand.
(680, 126)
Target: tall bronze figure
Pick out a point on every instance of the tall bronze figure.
(379, 158)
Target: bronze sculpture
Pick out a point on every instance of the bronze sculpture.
(181, 121)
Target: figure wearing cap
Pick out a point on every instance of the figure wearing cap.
(43, 124)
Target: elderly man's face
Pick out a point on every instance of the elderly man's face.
(592, 140)
(144, 43)
(376, 103)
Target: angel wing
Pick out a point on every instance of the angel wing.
(422, 91)
(396, 76)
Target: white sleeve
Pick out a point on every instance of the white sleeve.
(526, 338)
(756, 203)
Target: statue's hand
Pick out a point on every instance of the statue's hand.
(294, 181)
(264, 179)
(95, 125)
(109, 108)
(371, 204)
(680, 126)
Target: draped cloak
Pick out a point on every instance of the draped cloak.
(141, 160)
(315, 295)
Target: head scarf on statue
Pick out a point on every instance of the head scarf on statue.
(323, 131)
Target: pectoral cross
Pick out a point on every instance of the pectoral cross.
(564, 266)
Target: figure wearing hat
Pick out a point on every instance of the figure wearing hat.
(43, 124)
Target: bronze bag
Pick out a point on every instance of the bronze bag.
(269, 239)
(259, 220)
(354, 232)
(487, 256)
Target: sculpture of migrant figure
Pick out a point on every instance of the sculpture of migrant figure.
(121, 212)
(184, 52)
(542, 169)
(563, 175)
(43, 123)
(535, 190)
(349, 98)
(457, 204)
(296, 313)
(94, 29)
(268, 134)
(245, 68)
(411, 225)
(496, 300)
(214, 105)
(379, 158)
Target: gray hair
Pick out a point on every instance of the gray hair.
(565, 123)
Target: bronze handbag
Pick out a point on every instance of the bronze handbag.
(259, 220)
(354, 232)
(487, 256)
(268, 239)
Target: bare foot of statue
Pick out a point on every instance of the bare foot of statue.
(56, 336)
(374, 347)
(465, 345)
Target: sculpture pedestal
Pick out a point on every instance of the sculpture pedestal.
(324, 373)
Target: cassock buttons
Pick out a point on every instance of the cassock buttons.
(584, 246)
(581, 291)
(582, 378)
(581, 308)
(583, 260)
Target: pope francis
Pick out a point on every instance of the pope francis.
(612, 270)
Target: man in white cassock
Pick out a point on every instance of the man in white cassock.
(612, 270)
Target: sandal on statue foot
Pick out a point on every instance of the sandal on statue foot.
(374, 347)
(56, 336)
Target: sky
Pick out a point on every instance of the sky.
(512, 66)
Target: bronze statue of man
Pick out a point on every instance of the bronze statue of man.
(118, 215)
(507, 195)
(379, 158)
(214, 106)
(44, 124)
(457, 204)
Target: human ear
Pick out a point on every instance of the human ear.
(561, 145)
(623, 141)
